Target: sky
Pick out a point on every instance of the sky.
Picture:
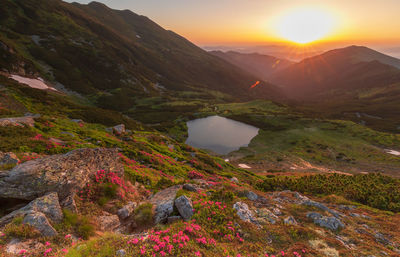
(251, 22)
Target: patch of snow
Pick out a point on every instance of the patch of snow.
(393, 152)
(138, 36)
(244, 166)
(33, 83)
(226, 160)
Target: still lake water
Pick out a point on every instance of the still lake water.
(219, 134)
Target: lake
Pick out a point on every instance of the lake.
(218, 134)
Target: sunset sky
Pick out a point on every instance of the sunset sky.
(207, 22)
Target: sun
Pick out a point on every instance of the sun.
(305, 25)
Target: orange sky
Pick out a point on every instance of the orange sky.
(254, 21)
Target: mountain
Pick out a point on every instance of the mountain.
(257, 64)
(115, 57)
(350, 68)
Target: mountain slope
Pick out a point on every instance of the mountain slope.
(257, 64)
(348, 68)
(113, 56)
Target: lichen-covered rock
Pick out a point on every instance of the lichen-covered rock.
(235, 180)
(64, 174)
(265, 215)
(69, 203)
(39, 221)
(322, 207)
(121, 253)
(164, 202)
(108, 222)
(8, 158)
(173, 219)
(190, 187)
(184, 206)
(48, 205)
(126, 211)
(244, 212)
(331, 223)
(119, 129)
(251, 195)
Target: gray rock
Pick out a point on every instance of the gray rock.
(331, 223)
(244, 212)
(322, 207)
(126, 211)
(64, 173)
(265, 214)
(190, 187)
(290, 221)
(18, 121)
(77, 120)
(8, 158)
(277, 211)
(69, 203)
(355, 215)
(39, 221)
(164, 202)
(380, 238)
(235, 180)
(347, 207)
(184, 206)
(47, 205)
(119, 129)
(108, 222)
(120, 253)
(67, 133)
(251, 195)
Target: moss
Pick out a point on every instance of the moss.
(144, 214)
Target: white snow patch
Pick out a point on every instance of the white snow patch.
(226, 160)
(244, 166)
(33, 83)
(393, 152)
(138, 36)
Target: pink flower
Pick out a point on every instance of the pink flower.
(64, 250)
(22, 251)
(47, 251)
(47, 243)
(197, 253)
(67, 236)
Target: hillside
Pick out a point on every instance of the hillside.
(114, 57)
(350, 68)
(259, 65)
(70, 187)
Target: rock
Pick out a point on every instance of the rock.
(16, 245)
(277, 211)
(19, 121)
(126, 211)
(331, 223)
(347, 207)
(243, 212)
(33, 115)
(39, 221)
(8, 158)
(64, 174)
(190, 187)
(67, 133)
(184, 206)
(108, 222)
(164, 202)
(355, 215)
(120, 253)
(380, 238)
(322, 207)
(77, 120)
(266, 215)
(47, 205)
(69, 203)
(290, 221)
(56, 141)
(235, 180)
(173, 219)
(119, 129)
(251, 195)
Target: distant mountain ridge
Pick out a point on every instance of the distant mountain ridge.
(349, 68)
(257, 64)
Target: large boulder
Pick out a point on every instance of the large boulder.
(47, 205)
(126, 211)
(64, 173)
(322, 207)
(164, 203)
(119, 129)
(108, 222)
(184, 206)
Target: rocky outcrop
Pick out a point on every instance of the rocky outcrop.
(322, 207)
(331, 223)
(63, 174)
(47, 205)
(290, 221)
(184, 206)
(119, 129)
(108, 222)
(251, 195)
(190, 187)
(18, 121)
(164, 203)
(265, 215)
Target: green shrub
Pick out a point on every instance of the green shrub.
(144, 214)
(79, 224)
(19, 230)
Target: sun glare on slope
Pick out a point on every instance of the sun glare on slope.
(305, 25)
